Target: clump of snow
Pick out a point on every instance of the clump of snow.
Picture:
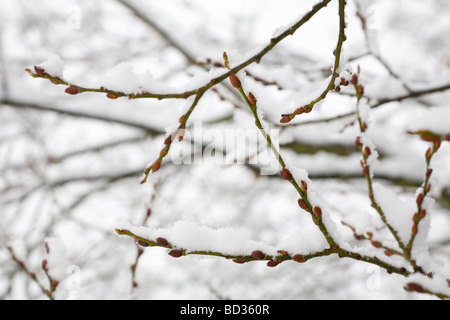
(192, 237)
(399, 211)
(54, 65)
(126, 79)
(436, 120)
(57, 261)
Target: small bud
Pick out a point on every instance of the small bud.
(318, 212)
(358, 143)
(252, 99)
(299, 258)
(287, 175)
(304, 186)
(337, 89)
(112, 96)
(272, 263)
(41, 72)
(415, 217)
(360, 90)
(367, 151)
(182, 118)
(162, 242)
(282, 252)
(364, 126)
(72, 90)
(375, 243)
(239, 261)
(422, 213)
(54, 283)
(414, 229)
(134, 284)
(149, 212)
(175, 253)
(429, 172)
(156, 165)
(430, 275)
(142, 243)
(388, 253)
(299, 111)
(357, 236)
(428, 153)
(302, 204)
(168, 140)
(44, 265)
(413, 286)
(369, 235)
(354, 79)
(366, 170)
(235, 82)
(419, 199)
(258, 255)
(447, 137)
(286, 119)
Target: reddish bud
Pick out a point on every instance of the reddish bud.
(354, 79)
(182, 118)
(422, 213)
(149, 212)
(304, 186)
(302, 204)
(142, 243)
(337, 89)
(358, 143)
(156, 165)
(72, 90)
(415, 217)
(44, 265)
(419, 199)
(258, 255)
(299, 258)
(41, 72)
(413, 286)
(287, 175)
(360, 90)
(162, 242)
(272, 263)
(54, 283)
(369, 235)
(286, 118)
(357, 236)
(429, 172)
(366, 170)
(252, 99)
(299, 110)
(375, 243)
(388, 253)
(175, 253)
(239, 261)
(414, 229)
(318, 212)
(235, 82)
(112, 96)
(367, 151)
(447, 137)
(283, 253)
(135, 284)
(168, 140)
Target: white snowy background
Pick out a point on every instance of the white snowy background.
(70, 165)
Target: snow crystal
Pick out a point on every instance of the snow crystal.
(54, 65)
